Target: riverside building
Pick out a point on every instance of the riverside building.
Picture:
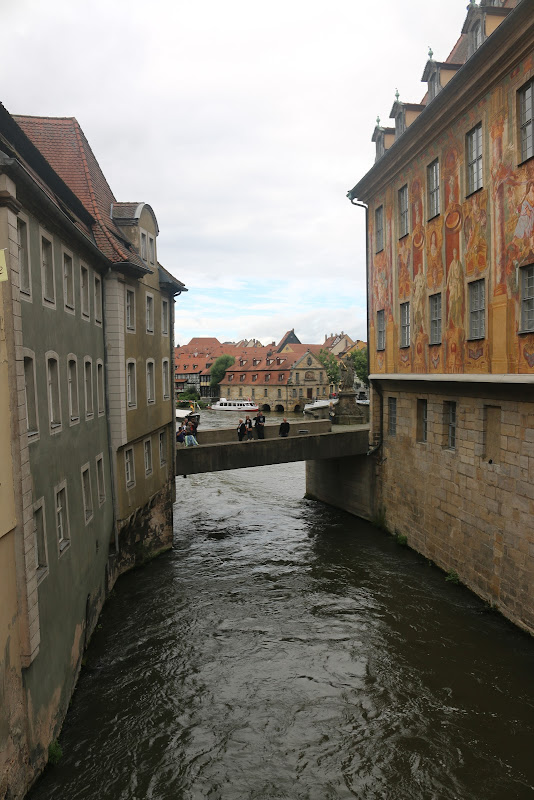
(86, 461)
(450, 240)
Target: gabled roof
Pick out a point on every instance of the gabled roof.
(63, 144)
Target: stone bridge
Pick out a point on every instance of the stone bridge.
(307, 441)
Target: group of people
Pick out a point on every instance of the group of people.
(187, 433)
(244, 428)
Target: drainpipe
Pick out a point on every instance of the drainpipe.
(374, 385)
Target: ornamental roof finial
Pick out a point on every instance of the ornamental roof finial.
(378, 122)
(430, 53)
(397, 95)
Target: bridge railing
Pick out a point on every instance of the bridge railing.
(299, 428)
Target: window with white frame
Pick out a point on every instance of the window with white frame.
(474, 159)
(165, 317)
(100, 388)
(379, 229)
(152, 249)
(100, 483)
(162, 448)
(24, 259)
(433, 189)
(149, 313)
(143, 246)
(526, 108)
(165, 379)
(72, 388)
(422, 421)
(62, 516)
(477, 310)
(129, 466)
(30, 397)
(131, 384)
(527, 298)
(39, 533)
(87, 494)
(88, 386)
(54, 404)
(84, 291)
(47, 271)
(392, 416)
(150, 388)
(403, 211)
(435, 318)
(130, 310)
(98, 299)
(405, 324)
(476, 35)
(381, 330)
(148, 456)
(68, 281)
(450, 420)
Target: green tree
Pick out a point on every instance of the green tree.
(189, 393)
(219, 367)
(359, 359)
(331, 364)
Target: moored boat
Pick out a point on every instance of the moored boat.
(317, 404)
(242, 406)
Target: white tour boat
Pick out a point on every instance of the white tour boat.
(241, 406)
(317, 404)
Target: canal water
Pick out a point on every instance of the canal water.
(286, 650)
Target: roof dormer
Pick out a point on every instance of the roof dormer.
(482, 21)
(437, 74)
(404, 114)
(383, 137)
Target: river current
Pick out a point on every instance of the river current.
(286, 650)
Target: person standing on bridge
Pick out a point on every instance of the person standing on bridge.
(248, 426)
(284, 428)
(241, 430)
(190, 438)
(259, 424)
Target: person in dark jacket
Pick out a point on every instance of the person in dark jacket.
(241, 430)
(259, 424)
(284, 428)
(248, 426)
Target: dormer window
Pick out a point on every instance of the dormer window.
(268, 377)
(400, 122)
(242, 378)
(230, 377)
(476, 35)
(433, 85)
(254, 378)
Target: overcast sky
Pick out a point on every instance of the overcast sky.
(243, 124)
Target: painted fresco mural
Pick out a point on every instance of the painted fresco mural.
(489, 234)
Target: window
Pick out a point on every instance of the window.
(230, 377)
(477, 310)
(422, 421)
(254, 378)
(100, 388)
(527, 298)
(24, 259)
(148, 456)
(492, 444)
(165, 379)
(129, 467)
(100, 484)
(403, 211)
(68, 282)
(433, 85)
(39, 533)
(162, 448)
(54, 406)
(476, 36)
(98, 299)
(30, 398)
(165, 317)
(450, 420)
(433, 189)
(72, 386)
(149, 313)
(242, 378)
(240, 392)
(150, 392)
(265, 393)
(379, 229)
(405, 324)
(525, 120)
(84, 291)
(143, 246)
(435, 318)
(392, 416)
(152, 249)
(301, 392)
(297, 377)
(281, 377)
(62, 516)
(87, 494)
(131, 384)
(268, 377)
(130, 310)
(88, 386)
(474, 159)
(47, 271)
(293, 392)
(381, 330)
(253, 392)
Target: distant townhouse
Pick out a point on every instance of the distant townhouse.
(82, 463)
